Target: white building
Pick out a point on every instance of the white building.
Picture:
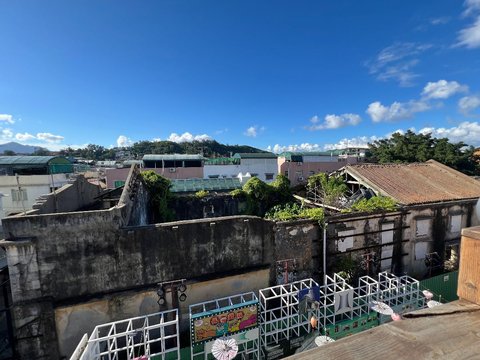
(262, 165)
(23, 179)
(217, 168)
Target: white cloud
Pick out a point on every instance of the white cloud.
(468, 103)
(50, 138)
(360, 141)
(442, 89)
(187, 137)
(24, 137)
(333, 121)
(396, 62)
(7, 118)
(440, 20)
(471, 7)
(302, 147)
(6, 134)
(469, 37)
(468, 132)
(396, 111)
(253, 131)
(123, 141)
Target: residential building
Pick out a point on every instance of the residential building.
(423, 236)
(25, 178)
(261, 165)
(224, 167)
(170, 166)
(298, 166)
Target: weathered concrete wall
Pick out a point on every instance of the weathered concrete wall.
(72, 321)
(299, 240)
(399, 240)
(73, 257)
(190, 207)
(70, 197)
(351, 236)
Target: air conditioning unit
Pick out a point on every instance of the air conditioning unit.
(172, 170)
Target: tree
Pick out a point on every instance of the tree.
(329, 189)
(9, 153)
(411, 147)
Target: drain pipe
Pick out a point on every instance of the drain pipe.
(325, 251)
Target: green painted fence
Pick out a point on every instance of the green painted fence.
(444, 287)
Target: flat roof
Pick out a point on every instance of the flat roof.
(266, 155)
(169, 157)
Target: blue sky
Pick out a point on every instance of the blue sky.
(277, 75)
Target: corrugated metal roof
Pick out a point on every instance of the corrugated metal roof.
(168, 157)
(193, 185)
(27, 160)
(416, 183)
(255, 155)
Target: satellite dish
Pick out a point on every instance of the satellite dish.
(323, 340)
(224, 349)
(382, 308)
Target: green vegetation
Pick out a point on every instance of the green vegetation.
(159, 190)
(261, 196)
(291, 211)
(412, 147)
(209, 148)
(329, 189)
(201, 194)
(375, 203)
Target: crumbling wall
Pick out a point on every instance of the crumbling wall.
(70, 197)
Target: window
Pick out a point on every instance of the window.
(254, 174)
(422, 227)
(268, 176)
(286, 173)
(455, 223)
(345, 240)
(213, 176)
(387, 251)
(19, 195)
(118, 183)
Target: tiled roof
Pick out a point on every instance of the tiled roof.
(416, 183)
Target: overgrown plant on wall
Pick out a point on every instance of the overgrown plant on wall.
(261, 196)
(159, 190)
(328, 189)
(292, 211)
(376, 203)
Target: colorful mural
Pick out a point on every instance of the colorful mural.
(224, 321)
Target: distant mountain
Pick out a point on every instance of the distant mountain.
(18, 148)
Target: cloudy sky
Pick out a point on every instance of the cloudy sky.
(272, 74)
